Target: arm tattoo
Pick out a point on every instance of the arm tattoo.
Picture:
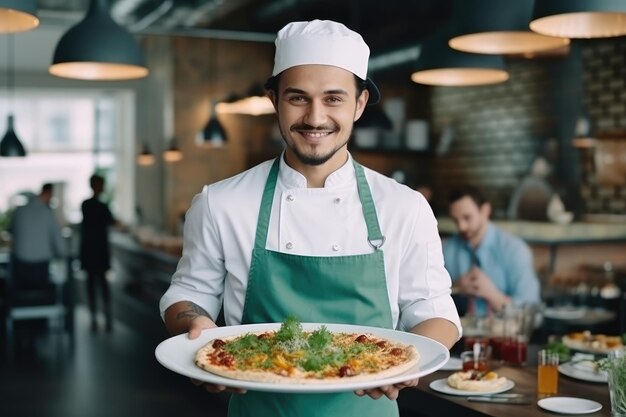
(193, 311)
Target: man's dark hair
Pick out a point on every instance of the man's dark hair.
(96, 179)
(47, 188)
(467, 190)
(272, 85)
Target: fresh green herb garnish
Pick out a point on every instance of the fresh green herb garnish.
(319, 339)
(290, 329)
(310, 351)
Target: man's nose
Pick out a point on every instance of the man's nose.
(316, 114)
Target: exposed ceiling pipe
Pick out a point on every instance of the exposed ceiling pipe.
(277, 7)
(387, 60)
(121, 10)
(232, 35)
(152, 17)
(208, 11)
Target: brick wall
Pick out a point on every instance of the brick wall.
(604, 187)
(498, 130)
(501, 128)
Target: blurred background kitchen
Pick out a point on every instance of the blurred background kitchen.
(545, 137)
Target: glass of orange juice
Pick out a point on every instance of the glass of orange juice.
(547, 373)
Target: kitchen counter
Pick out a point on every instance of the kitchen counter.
(553, 235)
(142, 274)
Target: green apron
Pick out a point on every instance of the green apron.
(339, 289)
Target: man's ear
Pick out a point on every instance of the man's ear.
(271, 94)
(361, 102)
(485, 210)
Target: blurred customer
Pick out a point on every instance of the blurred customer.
(35, 241)
(489, 267)
(95, 250)
(531, 197)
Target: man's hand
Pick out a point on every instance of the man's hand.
(188, 317)
(390, 391)
(478, 284)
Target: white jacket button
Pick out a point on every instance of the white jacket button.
(336, 248)
(289, 245)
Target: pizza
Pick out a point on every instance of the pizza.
(292, 355)
(476, 381)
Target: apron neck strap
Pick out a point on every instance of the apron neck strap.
(263, 223)
(375, 236)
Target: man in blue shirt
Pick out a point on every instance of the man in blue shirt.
(490, 268)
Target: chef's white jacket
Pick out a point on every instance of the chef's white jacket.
(220, 229)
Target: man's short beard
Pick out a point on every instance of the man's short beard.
(314, 160)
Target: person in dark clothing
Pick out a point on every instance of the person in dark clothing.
(95, 251)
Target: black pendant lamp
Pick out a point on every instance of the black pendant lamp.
(254, 103)
(97, 48)
(579, 19)
(440, 65)
(10, 145)
(499, 27)
(213, 133)
(18, 15)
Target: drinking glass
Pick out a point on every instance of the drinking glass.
(547, 373)
(480, 362)
(615, 366)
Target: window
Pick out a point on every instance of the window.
(68, 137)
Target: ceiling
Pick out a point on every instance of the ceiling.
(385, 24)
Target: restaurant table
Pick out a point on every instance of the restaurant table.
(423, 401)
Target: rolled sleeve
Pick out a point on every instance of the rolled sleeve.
(424, 281)
(200, 274)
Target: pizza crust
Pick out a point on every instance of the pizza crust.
(300, 377)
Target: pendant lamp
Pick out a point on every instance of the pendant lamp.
(579, 19)
(213, 133)
(172, 154)
(440, 65)
(499, 27)
(254, 103)
(97, 48)
(18, 15)
(145, 157)
(10, 145)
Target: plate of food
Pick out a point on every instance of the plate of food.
(302, 357)
(565, 312)
(472, 383)
(583, 369)
(589, 342)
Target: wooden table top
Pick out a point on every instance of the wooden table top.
(425, 402)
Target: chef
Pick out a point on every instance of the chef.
(313, 233)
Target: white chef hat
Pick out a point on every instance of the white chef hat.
(327, 43)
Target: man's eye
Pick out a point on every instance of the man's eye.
(297, 99)
(334, 100)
